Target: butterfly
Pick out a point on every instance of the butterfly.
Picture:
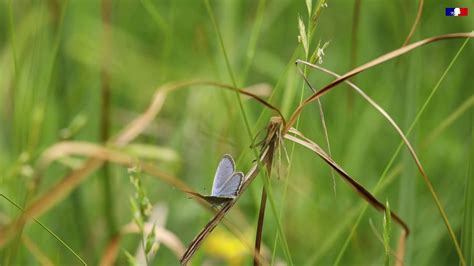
(226, 185)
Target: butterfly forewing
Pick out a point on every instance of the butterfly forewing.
(226, 183)
(225, 170)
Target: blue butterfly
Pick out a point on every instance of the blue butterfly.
(227, 182)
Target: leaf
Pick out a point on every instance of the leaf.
(150, 240)
(299, 138)
(131, 260)
(467, 239)
(309, 4)
(302, 37)
(151, 152)
(137, 217)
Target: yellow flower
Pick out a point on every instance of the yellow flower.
(223, 245)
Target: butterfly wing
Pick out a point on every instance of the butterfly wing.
(216, 201)
(225, 169)
(231, 186)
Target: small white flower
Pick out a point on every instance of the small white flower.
(27, 170)
(132, 169)
(24, 157)
(320, 54)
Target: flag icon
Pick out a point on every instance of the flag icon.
(456, 11)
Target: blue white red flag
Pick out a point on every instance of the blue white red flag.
(456, 11)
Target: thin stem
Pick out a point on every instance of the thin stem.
(354, 49)
(247, 125)
(253, 40)
(261, 217)
(383, 58)
(415, 23)
(105, 117)
(47, 229)
(144, 248)
(392, 159)
(231, 74)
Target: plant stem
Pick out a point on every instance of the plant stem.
(105, 116)
(261, 217)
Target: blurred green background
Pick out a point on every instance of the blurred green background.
(57, 56)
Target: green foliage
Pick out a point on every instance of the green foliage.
(141, 210)
(53, 57)
(130, 259)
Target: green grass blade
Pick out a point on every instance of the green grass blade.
(467, 235)
(286, 248)
(397, 151)
(254, 36)
(247, 126)
(12, 37)
(47, 229)
(231, 74)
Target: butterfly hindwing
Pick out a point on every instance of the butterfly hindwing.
(226, 185)
(230, 188)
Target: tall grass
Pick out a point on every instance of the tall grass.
(82, 86)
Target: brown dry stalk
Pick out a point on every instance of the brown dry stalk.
(104, 122)
(415, 23)
(111, 251)
(69, 182)
(162, 236)
(299, 138)
(270, 142)
(67, 148)
(410, 149)
(371, 64)
(261, 218)
(400, 253)
(137, 126)
(36, 251)
(269, 146)
(376, 61)
(377, 107)
(263, 201)
(95, 151)
(98, 152)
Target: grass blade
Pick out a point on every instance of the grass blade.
(379, 60)
(47, 230)
(415, 23)
(467, 231)
(420, 168)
